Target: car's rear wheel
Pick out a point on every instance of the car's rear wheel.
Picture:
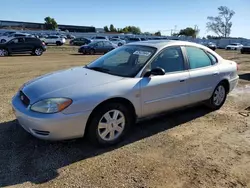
(3, 52)
(219, 97)
(38, 51)
(108, 124)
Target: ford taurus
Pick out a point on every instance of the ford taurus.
(103, 99)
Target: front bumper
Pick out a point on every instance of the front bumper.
(58, 126)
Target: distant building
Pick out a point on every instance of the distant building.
(40, 26)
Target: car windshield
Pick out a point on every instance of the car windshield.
(124, 61)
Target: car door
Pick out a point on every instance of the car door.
(30, 44)
(107, 46)
(99, 47)
(204, 74)
(169, 91)
(17, 45)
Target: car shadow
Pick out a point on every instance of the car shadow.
(245, 76)
(27, 159)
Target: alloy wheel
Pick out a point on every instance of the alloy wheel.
(38, 51)
(219, 95)
(111, 125)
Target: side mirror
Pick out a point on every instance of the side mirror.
(156, 72)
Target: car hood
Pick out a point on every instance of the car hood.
(65, 83)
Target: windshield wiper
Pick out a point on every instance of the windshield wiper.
(100, 69)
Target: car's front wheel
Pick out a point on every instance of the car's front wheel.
(3, 52)
(219, 97)
(108, 124)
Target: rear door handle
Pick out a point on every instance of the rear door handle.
(182, 80)
(216, 73)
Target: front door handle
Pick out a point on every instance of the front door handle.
(182, 80)
(216, 73)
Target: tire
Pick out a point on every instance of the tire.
(3, 41)
(3, 53)
(219, 97)
(38, 52)
(92, 52)
(58, 43)
(101, 130)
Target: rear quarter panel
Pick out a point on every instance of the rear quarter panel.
(228, 71)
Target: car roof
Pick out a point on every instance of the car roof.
(159, 44)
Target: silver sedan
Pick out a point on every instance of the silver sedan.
(103, 99)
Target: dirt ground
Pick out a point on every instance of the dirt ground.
(190, 148)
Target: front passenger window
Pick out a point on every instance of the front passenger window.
(197, 58)
(170, 59)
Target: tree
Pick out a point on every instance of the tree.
(221, 24)
(50, 23)
(131, 29)
(112, 28)
(106, 29)
(188, 32)
(158, 33)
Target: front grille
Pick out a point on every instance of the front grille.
(25, 100)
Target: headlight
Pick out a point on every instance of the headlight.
(52, 105)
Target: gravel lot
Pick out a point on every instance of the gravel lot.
(192, 147)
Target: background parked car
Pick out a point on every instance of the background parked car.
(7, 38)
(135, 39)
(210, 45)
(7, 33)
(234, 46)
(80, 41)
(70, 36)
(21, 45)
(99, 38)
(97, 47)
(117, 41)
(54, 39)
(245, 49)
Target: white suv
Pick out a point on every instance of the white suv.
(58, 40)
(234, 46)
(6, 38)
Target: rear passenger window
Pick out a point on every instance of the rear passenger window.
(197, 58)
